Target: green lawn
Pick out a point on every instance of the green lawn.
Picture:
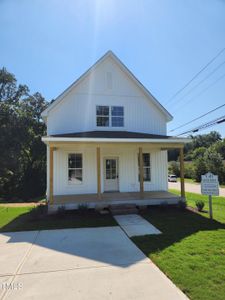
(191, 248)
(218, 204)
(20, 218)
(190, 180)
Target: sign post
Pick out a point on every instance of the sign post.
(210, 187)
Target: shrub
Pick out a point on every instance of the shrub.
(164, 205)
(61, 211)
(82, 208)
(182, 204)
(200, 205)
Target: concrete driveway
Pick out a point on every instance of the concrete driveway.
(191, 187)
(86, 263)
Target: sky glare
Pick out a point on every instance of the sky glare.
(48, 44)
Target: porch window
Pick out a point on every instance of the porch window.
(146, 167)
(75, 168)
(102, 116)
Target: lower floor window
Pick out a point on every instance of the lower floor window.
(75, 168)
(146, 167)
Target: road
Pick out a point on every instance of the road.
(191, 187)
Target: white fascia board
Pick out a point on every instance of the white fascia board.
(112, 140)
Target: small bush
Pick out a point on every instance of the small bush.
(182, 204)
(82, 208)
(200, 205)
(61, 211)
(164, 205)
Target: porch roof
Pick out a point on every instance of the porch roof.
(113, 136)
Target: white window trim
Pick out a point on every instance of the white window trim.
(109, 116)
(75, 183)
(150, 167)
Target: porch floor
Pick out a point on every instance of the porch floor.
(92, 200)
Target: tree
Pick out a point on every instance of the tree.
(198, 141)
(22, 162)
(198, 152)
(220, 148)
(214, 163)
(200, 168)
(210, 161)
(174, 168)
(205, 140)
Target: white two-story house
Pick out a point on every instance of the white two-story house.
(107, 141)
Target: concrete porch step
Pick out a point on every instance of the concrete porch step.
(123, 209)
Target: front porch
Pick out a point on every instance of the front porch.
(115, 198)
(131, 159)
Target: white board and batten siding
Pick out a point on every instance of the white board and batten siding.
(107, 85)
(128, 169)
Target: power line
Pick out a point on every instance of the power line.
(205, 125)
(202, 92)
(209, 112)
(196, 75)
(199, 83)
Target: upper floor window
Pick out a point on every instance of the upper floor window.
(107, 116)
(117, 113)
(102, 116)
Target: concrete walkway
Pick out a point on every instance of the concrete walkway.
(135, 225)
(192, 188)
(87, 263)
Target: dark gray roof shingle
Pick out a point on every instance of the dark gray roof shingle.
(112, 135)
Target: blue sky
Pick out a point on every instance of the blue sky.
(48, 44)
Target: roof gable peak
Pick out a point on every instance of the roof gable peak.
(109, 54)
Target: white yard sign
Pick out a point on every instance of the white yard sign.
(210, 184)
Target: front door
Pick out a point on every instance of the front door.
(111, 176)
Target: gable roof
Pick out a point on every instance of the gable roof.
(124, 69)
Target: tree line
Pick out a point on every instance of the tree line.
(23, 154)
(206, 153)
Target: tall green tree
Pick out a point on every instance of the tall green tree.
(22, 161)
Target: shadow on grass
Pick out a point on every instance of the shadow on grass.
(175, 225)
(16, 200)
(70, 219)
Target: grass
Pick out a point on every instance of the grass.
(190, 180)
(218, 204)
(191, 248)
(21, 218)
